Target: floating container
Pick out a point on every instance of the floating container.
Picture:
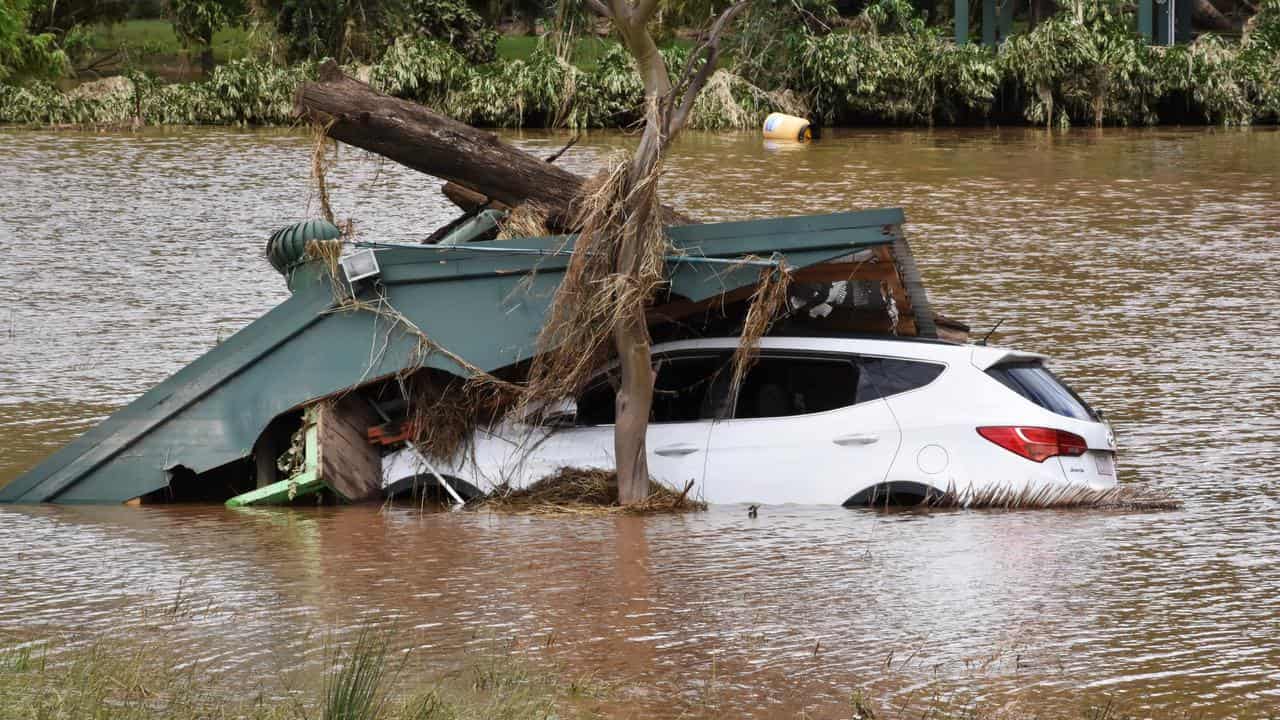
(780, 126)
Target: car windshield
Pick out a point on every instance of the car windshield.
(1033, 381)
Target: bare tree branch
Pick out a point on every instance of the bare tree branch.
(620, 11)
(710, 48)
(600, 8)
(644, 11)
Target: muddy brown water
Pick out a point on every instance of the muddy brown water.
(1142, 261)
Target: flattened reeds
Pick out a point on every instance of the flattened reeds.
(586, 491)
(1042, 496)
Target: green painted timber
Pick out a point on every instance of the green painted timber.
(1162, 23)
(305, 482)
(989, 23)
(1182, 21)
(487, 308)
(1006, 21)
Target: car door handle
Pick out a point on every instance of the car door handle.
(856, 439)
(677, 450)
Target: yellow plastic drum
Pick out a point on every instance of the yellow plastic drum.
(780, 126)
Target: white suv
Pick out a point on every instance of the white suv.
(820, 420)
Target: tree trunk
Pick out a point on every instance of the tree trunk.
(206, 54)
(419, 138)
(1041, 10)
(631, 335)
(664, 118)
(1208, 17)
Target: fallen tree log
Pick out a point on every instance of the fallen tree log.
(417, 137)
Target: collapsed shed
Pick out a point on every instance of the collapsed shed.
(308, 397)
(217, 427)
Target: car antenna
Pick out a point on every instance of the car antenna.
(990, 332)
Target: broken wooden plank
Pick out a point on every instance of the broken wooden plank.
(349, 465)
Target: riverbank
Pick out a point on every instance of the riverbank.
(361, 679)
(364, 678)
(885, 71)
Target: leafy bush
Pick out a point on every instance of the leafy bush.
(455, 23)
(24, 54)
(886, 65)
(904, 78)
(421, 70)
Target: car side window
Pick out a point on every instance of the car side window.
(596, 405)
(786, 386)
(885, 377)
(686, 388)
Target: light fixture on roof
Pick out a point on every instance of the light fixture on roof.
(360, 265)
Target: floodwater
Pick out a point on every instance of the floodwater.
(1142, 261)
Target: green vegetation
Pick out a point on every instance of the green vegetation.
(888, 63)
(195, 21)
(151, 43)
(366, 681)
(119, 679)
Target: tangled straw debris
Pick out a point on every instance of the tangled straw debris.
(526, 220)
(596, 296)
(767, 304)
(583, 491)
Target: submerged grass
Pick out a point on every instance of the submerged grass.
(1121, 497)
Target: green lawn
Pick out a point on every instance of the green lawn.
(155, 42)
(157, 38)
(585, 55)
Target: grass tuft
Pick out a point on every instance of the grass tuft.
(354, 687)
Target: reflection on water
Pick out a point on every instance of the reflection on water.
(1140, 260)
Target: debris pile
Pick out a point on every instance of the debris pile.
(579, 491)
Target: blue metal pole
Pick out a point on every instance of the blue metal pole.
(1182, 21)
(989, 23)
(1163, 36)
(1006, 20)
(962, 22)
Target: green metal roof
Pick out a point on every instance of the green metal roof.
(486, 307)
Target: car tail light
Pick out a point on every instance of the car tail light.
(1035, 443)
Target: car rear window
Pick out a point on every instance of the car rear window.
(884, 377)
(1033, 381)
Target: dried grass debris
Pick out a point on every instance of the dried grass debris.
(588, 491)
